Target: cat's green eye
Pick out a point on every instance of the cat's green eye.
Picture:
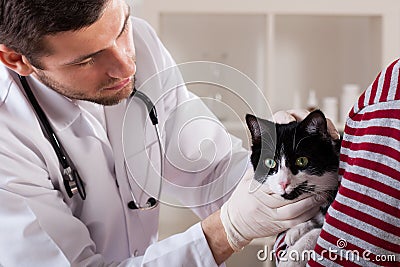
(302, 162)
(270, 163)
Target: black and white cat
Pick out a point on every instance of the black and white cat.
(293, 160)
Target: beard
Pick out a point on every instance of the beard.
(98, 97)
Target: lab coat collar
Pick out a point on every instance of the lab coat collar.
(60, 110)
(5, 82)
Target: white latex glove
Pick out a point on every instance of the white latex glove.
(253, 211)
(282, 117)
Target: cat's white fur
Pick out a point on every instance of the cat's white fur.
(307, 243)
(303, 236)
(328, 181)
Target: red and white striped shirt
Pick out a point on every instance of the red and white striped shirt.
(362, 225)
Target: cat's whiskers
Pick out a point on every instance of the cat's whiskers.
(324, 195)
(326, 187)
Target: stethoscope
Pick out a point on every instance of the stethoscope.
(72, 181)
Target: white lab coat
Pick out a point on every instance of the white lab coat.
(41, 226)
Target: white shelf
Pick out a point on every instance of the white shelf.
(322, 52)
(389, 10)
(286, 47)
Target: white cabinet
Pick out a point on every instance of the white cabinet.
(286, 47)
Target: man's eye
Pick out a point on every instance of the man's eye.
(302, 162)
(269, 163)
(89, 61)
(126, 27)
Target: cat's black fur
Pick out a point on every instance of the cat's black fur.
(309, 138)
(285, 144)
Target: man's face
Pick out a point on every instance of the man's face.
(96, 63)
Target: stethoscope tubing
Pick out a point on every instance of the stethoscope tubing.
(151, 202)
(72, 181)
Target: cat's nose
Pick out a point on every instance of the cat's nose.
(284, 184)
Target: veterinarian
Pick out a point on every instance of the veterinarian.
(68, 194)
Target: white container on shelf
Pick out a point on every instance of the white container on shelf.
(312, 101)
(350, 94)
(330, 107)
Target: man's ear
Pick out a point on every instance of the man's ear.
(15, 61)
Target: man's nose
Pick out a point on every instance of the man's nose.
(122, 63)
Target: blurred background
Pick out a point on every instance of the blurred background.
(301, 54)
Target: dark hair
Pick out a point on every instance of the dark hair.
(24, 23)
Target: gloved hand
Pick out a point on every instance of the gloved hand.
(253, 211)
(298, 115)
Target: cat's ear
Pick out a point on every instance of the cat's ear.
(314, 123)
(257, 127)
(254, 127)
